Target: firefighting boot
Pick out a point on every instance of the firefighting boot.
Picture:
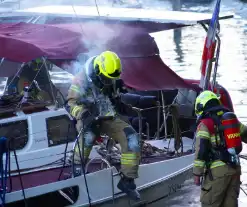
(127, 185)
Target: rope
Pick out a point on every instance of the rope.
(178, 142)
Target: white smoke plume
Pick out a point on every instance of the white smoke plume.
(94, 45)
(101, 37)
(100, 43)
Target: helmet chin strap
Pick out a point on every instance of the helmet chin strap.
(96, 80)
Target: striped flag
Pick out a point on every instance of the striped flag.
(209, 48)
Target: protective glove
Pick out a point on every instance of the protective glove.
(90, 106)
(117, 103)
(87, 118)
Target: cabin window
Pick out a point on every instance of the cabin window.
(15, 19)
(60, 129)
(58, 20)
(16, 132)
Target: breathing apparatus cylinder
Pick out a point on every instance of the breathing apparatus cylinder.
(232, 137)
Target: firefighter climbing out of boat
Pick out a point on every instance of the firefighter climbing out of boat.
(88, 97)
(219, 139)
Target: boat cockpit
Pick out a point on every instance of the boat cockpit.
(46, 121)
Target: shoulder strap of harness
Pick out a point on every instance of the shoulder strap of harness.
(211, 118)
(212, 113)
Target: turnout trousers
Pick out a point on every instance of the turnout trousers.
(119, 131)
(221, 191)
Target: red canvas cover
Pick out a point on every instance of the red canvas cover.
(143, 69)
(151, 73)
(22, 42)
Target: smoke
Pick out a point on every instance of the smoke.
(98, 36)
(94, 42)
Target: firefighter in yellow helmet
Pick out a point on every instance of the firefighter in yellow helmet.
(34, 92)
(87, 98)
(32, 77)
(28, 83)
(216, 155)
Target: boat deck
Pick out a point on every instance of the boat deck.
(51, 175)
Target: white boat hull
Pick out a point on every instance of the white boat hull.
(165, 177)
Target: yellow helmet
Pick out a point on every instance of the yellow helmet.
(37, 63)
(203, 98)
(108, 64)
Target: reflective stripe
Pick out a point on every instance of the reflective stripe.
(129, 159)
(206, 135)
(242, 127)
(213, 139)
(75, 110)
(199, 163)
(75, 88)
(38, 60)
(110, 114)
(220, 113)
(39, 97)
(217, 163)
(203, 134)
(129, 155)
(86, 152)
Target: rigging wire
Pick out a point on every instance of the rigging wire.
(96, 4)
(21, 182)
(82, 130)
(82, 159)
(65, 153)
(245, 158)
(19, 104)
(243, 190)
(8, 145)
(3, 170)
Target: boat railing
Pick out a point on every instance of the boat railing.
(101, 159)
(171, 109)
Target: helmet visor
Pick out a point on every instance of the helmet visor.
(109, 80)
(116, 74)
(105, 80)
